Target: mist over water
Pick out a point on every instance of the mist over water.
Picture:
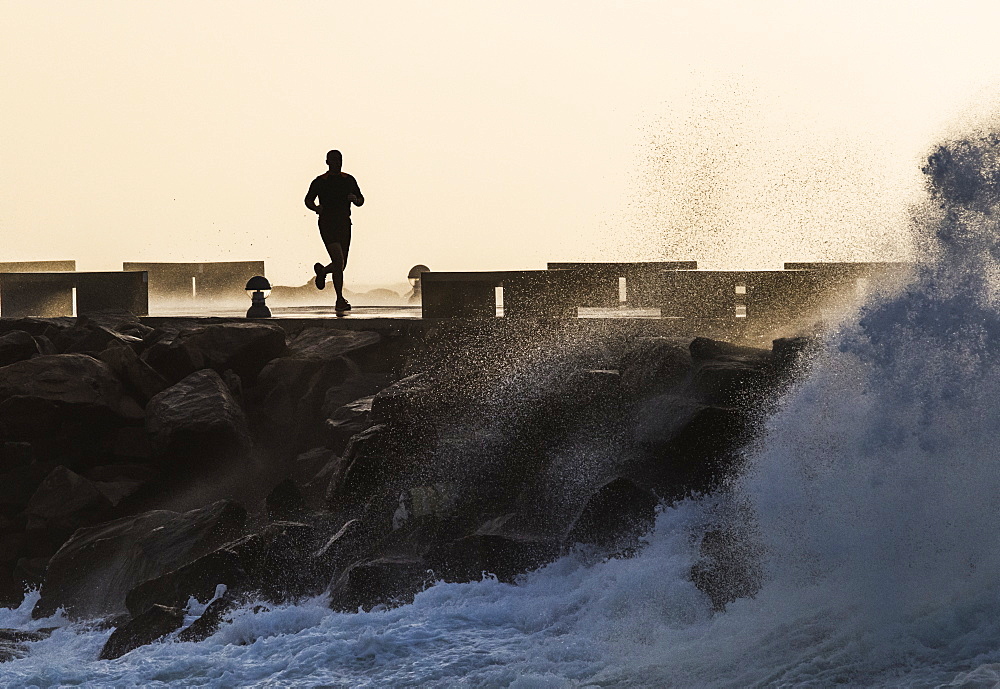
(872, 497)
(875, 491)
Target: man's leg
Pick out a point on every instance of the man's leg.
(336, 268)
(344, 240)
(338, 252)
(337, 239)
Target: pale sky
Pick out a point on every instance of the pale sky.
(484, 135)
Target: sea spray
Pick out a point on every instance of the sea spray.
(877, 486)
(872, 499)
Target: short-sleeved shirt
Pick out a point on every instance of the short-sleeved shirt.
(332, 190)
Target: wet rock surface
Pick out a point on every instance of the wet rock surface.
(139, 378)
(41, 394)
(360, 465)
(152, 625)
(210, 620)
(244, 348)
(92, 572)
(14, 642)
(65, 500)
(382, 581)
(196, 421)
(17, 345)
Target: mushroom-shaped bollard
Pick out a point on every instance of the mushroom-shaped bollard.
(257, 289)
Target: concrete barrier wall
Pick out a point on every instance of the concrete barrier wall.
(204, 281)
(549, 293)
(640, 278)
(459, 294)
(738, 294)
(36, 266)
(851, 281)
(526, 293)
(51, 294)
(757, 302)
(126, 291)
(853, 270)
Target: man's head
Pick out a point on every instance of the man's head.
(334, 159)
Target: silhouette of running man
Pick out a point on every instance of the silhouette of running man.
(336, 191)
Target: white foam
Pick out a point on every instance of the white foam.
(875, 494)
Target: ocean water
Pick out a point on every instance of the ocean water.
(872, 501)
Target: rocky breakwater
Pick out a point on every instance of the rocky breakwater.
(236, 462)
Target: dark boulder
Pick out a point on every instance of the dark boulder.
(19, 484)
(409, 413)
(11, 548)
(196, 422)
(139, 377)
(295, 393)
(347, 420)
(685, 447)
(285, 502)
(657, 420)
(45, 346)
(117, 491)
(32, 418)
(198, 579)
(788, 353)
(389, 580)
(171, 362)
(244, 348)
(343, 547)
(277, 563)
(433, 503)
(323, 344)
(235, 385)
(17, 345)
(308, 465)
(210, 620)
(39, 396)
(616, 515)
(65, 501)
(11, 591)
(318, 475)
(15, 455)
(732, 382)
(290, 395)
(504, 547)
(152, 625)
(25, 636)
(88, 337)
(14, 642)
(283, 564)
(121, 322)
(703, 348)
(728, 374)
(37, 327)
(91, 573)
(376, 458)
(411, 401)
(654, 364)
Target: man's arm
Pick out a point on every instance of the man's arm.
(359, 199)
(310, 199)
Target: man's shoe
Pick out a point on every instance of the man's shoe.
(342, 305)
(320, 275)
